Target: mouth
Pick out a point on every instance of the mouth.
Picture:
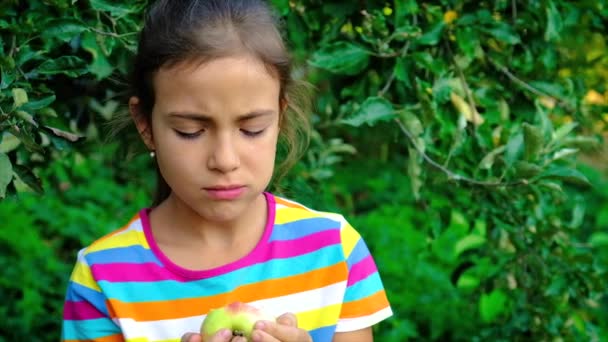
(225, 192)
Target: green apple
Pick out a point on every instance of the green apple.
(238, 317)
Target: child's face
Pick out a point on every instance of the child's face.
(215, 128)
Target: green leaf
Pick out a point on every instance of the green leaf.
(487, 161)
(505, 33)
(341, 58)
(372, 110)
(113, 8)
(599, 239)
(533, 141)
(433, 36)
(6, 173)
(526, 170)
(563, 131)
(63, 29)
(568, 175)
(414, 171)
(38, 104)
(554, 23)
(468, 242)
(492, 305)
(9, 142)
(29, 178)
(100, 66)
(514, 148)
(468, 41)
(7, 77)
(71, 66)
(19, 97)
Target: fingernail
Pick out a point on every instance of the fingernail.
(260, 325)
(225, 333)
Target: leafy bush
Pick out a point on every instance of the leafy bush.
(449, 133)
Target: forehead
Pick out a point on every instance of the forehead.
(227, 84)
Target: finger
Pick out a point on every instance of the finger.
(266, 331)
(288, 319)
(191, 337)
(224, 335)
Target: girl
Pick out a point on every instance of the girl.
(212, 100)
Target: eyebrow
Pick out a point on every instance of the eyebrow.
(205, 118)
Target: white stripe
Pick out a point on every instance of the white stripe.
(303, 301)
(175, 328)
(160, 330)
(352, 324)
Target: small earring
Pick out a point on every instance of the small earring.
(152, 154)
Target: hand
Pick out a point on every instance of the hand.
(223, 335)
(284, 330)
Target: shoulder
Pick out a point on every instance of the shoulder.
(130, 234)
(289, 212)
(291, 215)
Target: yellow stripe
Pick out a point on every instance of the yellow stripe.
(349, 237)
(287, 214)
(122, 239)
(318, 318)
(82, 275)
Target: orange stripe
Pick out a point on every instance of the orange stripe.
(111, 338)
(288, 204)
(158, 310)
(364, 306)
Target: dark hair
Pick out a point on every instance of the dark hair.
(201, 30)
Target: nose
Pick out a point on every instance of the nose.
(224, 156)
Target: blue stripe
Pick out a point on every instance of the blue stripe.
(132, 254)
(88, 329)
(324, 334)
(363, 288)
(77, 292)
(273, 269)
(357, 254)
(297, 229)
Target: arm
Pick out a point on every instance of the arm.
(363, 335)
(85, 313)
(365, 303)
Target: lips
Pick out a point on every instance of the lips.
(228, 192)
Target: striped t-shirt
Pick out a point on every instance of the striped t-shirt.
(311, 263)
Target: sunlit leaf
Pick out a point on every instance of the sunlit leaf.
(468, 242)
(372, 110)
(533, 141)
(341, 58)
(492, 305)
(554, 22)
(19, 97)
(6, 173)
(565, 174)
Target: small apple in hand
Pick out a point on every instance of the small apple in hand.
(238, 317)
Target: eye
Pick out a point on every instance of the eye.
(252, 133)
(187, 135)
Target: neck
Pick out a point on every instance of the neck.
(177, 223)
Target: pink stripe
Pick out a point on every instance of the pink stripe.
(150, 272)
(80, 311)
(361, 270)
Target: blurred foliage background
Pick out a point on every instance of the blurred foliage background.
(465, 140)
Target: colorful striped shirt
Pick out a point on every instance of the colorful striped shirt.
(311, 263)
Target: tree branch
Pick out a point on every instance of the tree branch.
(452, 175)
(529, 87)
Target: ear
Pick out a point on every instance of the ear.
(144, 126)
(283, 105)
